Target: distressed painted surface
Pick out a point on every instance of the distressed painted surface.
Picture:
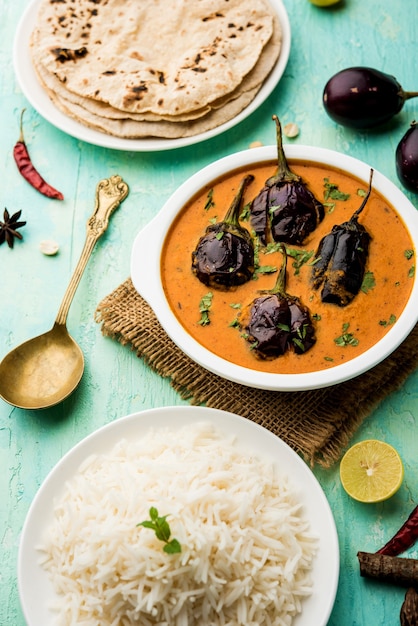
(382, 34)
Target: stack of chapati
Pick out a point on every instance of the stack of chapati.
(152, 68)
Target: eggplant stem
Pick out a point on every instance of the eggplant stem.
(366, 197)
(21, 136)
(410, 94)
(280, 286)
(232, 214)
(283, 172)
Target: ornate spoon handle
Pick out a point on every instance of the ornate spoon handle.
(110, 192)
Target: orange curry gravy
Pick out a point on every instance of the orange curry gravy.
(368, 316)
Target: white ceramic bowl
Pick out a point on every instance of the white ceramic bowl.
(146, 276)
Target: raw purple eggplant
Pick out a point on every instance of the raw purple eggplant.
(285, 210)
(341, 258)
(276, 321)
(362, 97)
(224, 255)
(407, 158)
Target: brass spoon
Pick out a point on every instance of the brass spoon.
(46, 369)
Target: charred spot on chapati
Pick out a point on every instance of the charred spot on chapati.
(67, 54)
(135, 93)
(212, 17)
(159, 74)
(208, 51)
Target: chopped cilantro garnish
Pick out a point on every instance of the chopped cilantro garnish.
(204, 308)
(368, 282)
(297, 342)
(245, 213)
(272, 247)
(209, 202)
(330, 206)
(265, 269)
(389, 322)
(346, 338)
(332, 192)
(300, 257)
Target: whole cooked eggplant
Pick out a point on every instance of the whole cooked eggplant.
(341, 258)
(285, 210)
(407, 158)
(224, 255)
(276, 321)
(362, 97)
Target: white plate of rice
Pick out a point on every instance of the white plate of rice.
(258, 539)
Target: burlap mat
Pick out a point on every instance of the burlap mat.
(317, 424)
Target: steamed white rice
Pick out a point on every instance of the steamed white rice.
(247, 548)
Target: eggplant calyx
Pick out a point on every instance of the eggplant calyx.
(283, 173)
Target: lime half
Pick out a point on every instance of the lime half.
(371, 471)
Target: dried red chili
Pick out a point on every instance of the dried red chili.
(404, 538)
(27, 169)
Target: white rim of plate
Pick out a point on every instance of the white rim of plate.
(38, 97)
(149, 242)
(34, 586)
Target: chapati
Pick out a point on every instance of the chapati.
(154, 69)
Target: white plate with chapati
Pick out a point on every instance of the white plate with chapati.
(189, 457)
(58, 92)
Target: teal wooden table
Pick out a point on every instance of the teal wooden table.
(379, 33)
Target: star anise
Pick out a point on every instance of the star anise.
(8, 228)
